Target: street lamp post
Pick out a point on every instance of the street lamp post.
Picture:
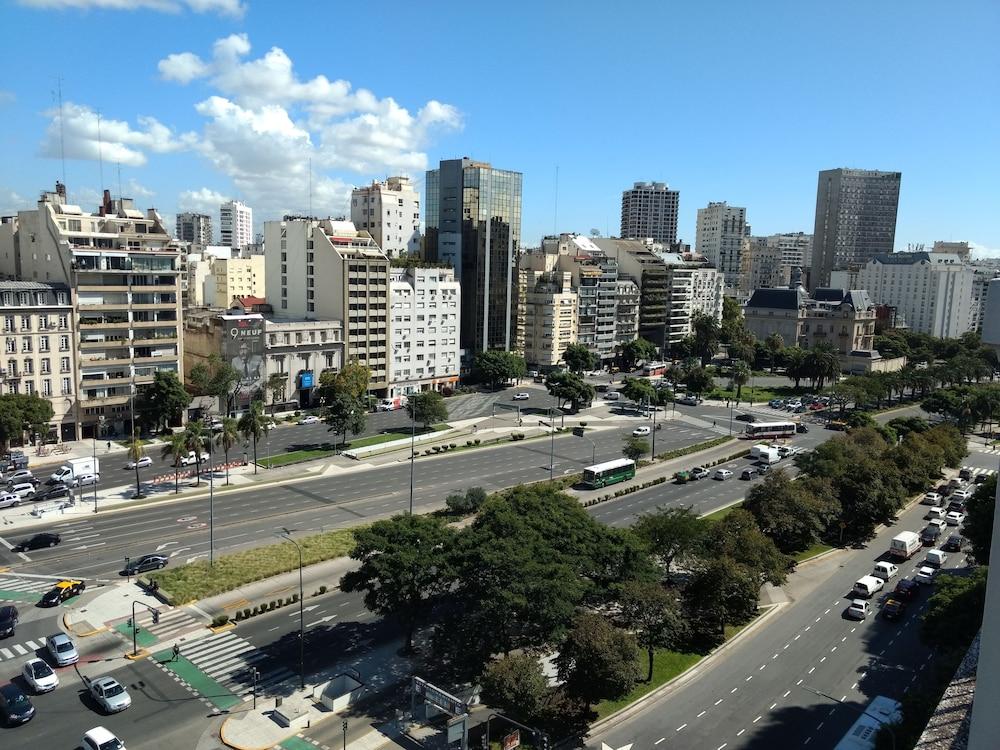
(286, 534)
(552, 442)
(211, 510)
(413, 440)
(653, 454)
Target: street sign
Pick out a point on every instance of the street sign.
(512, 740)
(456, 728)
(437, 697)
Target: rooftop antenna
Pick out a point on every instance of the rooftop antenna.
(310, 187)
(62, 132)
(100, 149)
(121, 195)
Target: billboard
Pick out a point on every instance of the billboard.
(243, 348)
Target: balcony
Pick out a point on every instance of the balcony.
(105, 306)
(103, 400)
(103, 343)
(153, 360)
(154, 341)
(107, 362)
(155, 306)
(102, 288)
(154, 323)
(91, 324)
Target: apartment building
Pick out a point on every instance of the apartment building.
(234, 277)
(991, 317)
(325, 269)
(721, 230)
(768, 261)
(640, 263)
(426, 303)
(39, 354)
(961, 249)
(390, 212)
(124, 271)
(235, 224)
(550, 317)
(649, 211)
(194, 228)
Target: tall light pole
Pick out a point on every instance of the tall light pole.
(211, 509)
(552, 442)
(413, 440)
(286, 534)
(652, 455)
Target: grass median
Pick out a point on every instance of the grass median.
(198, 580)
(687, 450)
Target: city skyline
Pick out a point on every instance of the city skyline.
(232, 104)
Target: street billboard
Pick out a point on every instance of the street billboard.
(243, 348)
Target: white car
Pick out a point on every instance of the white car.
(109, 694)
(39, 676)
(689, 400)
(935, 512)
(194, 458)
(885, 570)
(699, 472)
(24, 490)
(85, 480)
(931, 498)
(19, 476)
(640, 431)
(100, 738)
(859, 609)
(311, 419)
(522, 396)
(722, 474)
(9, 500)
(62, 649)
(954, 518)
(925, 575)
(142, 463)
(793, 404)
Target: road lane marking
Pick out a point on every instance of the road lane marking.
(819, 618)
(853, 629)
(787, 693)
(721, 746)
(718, 701)
(772, 706)
(798, 636)
(761, 667)
(822, 660)
(854, 686)
(785, 646)
(812, 669)
(758, 719)
(775, 656)
(825, 613)
(680, 727)
(733, 691)
(701, 714)
(807, 629)
(844, 698)
(740, 732)
(833, 649)
(659, 740)
(799, 682)
(748, 678)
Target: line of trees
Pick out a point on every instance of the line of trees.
(23, 413)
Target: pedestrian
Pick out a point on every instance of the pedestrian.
(109, 445)
(713, 423)
(177, 651)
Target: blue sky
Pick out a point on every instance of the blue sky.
(735, 101)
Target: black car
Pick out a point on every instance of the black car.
(906, 589)
(58, 492)
(145, 563)
(980, 478)
(894, 609)
(45, 539)
(8, 620)
(61, 592)
(746, 418)
(801, 428)
(953, 544)
(748, 473)
(14, 705)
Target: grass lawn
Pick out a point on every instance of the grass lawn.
(722, 513)
(189, 583)
(294, 456)
(387, 437)
(758, 394)
(813, 551)
(666, 666)
(705, 445)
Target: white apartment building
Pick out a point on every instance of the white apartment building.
(125, 274)
(933, 291)
(692, 287)
(721, 230)
(324, 269)
(235, 224)
(194, 228)
(550, 316)
(390, 212)
(424, 318)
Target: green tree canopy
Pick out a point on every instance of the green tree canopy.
(497, 366)
(639, 390)
(978, 527)
(634, 447)
(738, 537)
(706, 333)
(698, 380)
(427, 407)
(793, 514)
(579, 358)
(516, 685)
(635, 351)
(20, 413)
(653, 614)
(569, 388)
(345, 413)
(671, 534)
(597, 660)
(162, 401)
(955, 610)
(720, 591)
(352, 380)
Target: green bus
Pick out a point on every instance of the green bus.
(610, 472)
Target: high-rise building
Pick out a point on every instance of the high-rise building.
(961, 249)
(550, 316)
(473, 223)
(720, 233)
(124, 271)
(991, 317)
(194, 228)
(768, 261)
(324, 269)
(649, 211)
(855, 219)
(390, 212)
(236, 224)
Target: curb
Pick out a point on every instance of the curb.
(683, 677)
(235, 745)
(223, 628)
(86, 634)
(139, 655)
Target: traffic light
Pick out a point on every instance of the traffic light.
(156, 617)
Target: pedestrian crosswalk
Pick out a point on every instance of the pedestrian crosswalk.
(25, 650)
(173, 623)
(228, 659)
(22, 588)
(976, 471)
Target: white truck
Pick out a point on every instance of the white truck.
(766, 454)
(75, 468)
(904, 545)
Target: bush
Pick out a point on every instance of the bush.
(219, 620)
(288, 600)
(246, 613)
(468, 443)
(454, 445)
(583, 424)
(295, 597)
(322, 589)
(477, 441)
(436, 449)
(428, 452)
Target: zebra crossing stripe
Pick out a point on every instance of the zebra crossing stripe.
(33, 645)
(7, 653)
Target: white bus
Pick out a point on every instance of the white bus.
(765, 430)
(861, 736)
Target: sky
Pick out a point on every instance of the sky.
(200, 101)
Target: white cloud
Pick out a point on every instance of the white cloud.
(112, 140)
(203, 200)
(223, 7)
(11, 202)
(132, 189)
(982, 251)
(7, 97)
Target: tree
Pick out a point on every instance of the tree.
(905, 425)
(738, 537)
(775, 345)
(466, 502)
(136, 450)
(427, 407)
(978, 527)
(227, 437)
(345, 412)
(579, 358)
(741, 376)
(635, 448)
(352, 379)
(955, 610)
(253, 425)
(496, 366)
(638, 390)
(652, 613)
(162, 401)
(635, 351)
(671, 534)
(597, 660)
(706, 336)
(796, 365)
(792, 514)
(214, 377)
(698, 381)
(276, 383)
(720, 591)
(199, 440)
(570, 388)
(822, 363)
(517, 685)
(732, 320)
(175, 449)
(404, 565)
(20, 413)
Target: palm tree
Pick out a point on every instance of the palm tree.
(136, 450)
(175, 449)
(197, 439)
(774, 344)
(741, 375)
(795, 364)
(823, 364)
(253, 426)
(227, 438)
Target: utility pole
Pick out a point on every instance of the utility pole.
(413, 454)
(286, 535)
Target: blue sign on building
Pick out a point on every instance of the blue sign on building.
(305, 379)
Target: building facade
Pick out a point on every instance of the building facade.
(721, 231)
(234, 277)
(390, 212)
(124, 271)
(39, 354)
(550, 317)
(425, 329)
(768, 261)
(649, 211)
(991, 316)
(323, 269)
(235, 224)
(194, 228)
(855, 219)
(961, 249)
(473, 223)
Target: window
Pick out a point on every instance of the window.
(46, 388)
(64, 364)
(64, 343)
(29, 367)
(62, 298)
(26, 344)
(43, 344)
(25, 322)
(29, 387)
(45, 367)
(65, 387)
(63, 322)
(11, 346)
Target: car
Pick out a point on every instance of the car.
(310, 419)
(722, 474)
(906, 589)
(965, 473)
(893, 609)
(935, 512)
(962, 495)
(100, 738)
(14, 705)
(746, 418)
(793, 404)
(58, 492)
(953, 543)
(145, 563)
(39, 676)
(534, 373)
(885, 570)
(956, 483)
(641, 430)
(9, 500)
(62, 649)
(956, 505)
(109, 694)
(682, 477)
(85, 480)
(386, 405)
(65, 589)
(800, 409)
(980, 478)
(816, 406)
(801, 428)
(954, 518)
(931, 498)
(38, 541)
(217, 425)
(142, 463)
(699, 472)
(748, 473)
(24, 490)
(762, 468)
(776, 403)
(858, 609)
(20, 475)
(925, 575)
(522, 396)
(689, 400)
(193, 458)
(8, 620)
(784, 451)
